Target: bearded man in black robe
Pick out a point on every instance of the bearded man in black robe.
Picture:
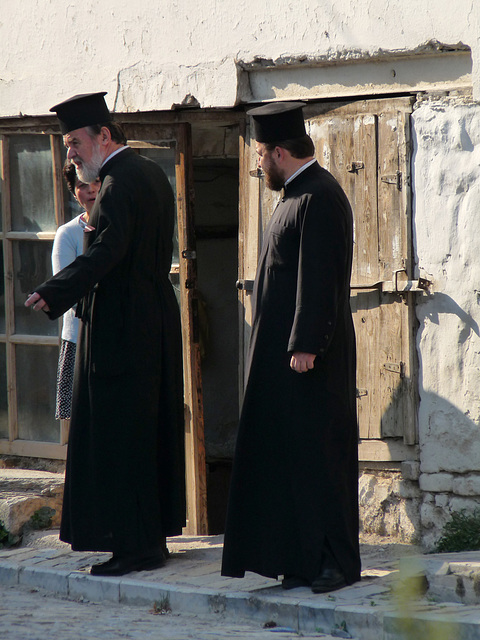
(125, 482)
(293, 505)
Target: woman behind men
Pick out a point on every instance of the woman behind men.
(68, 244)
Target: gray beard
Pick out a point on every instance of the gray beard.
(88, 172)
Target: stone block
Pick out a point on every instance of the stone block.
(464, 504)
(433, 517)
(8, 574)
(409, 489)
(44, 578)
(410, 470)
(23, 492)
(96, 589)
(360, 622)
(467, 485)
(283, 611)
(140, 593)
(436, 482)
(442, 500)
(316, 616)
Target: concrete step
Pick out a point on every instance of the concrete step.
(23, 493)
(372, 609)
(444, 577)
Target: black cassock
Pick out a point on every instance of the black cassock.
(124, 485)
(295, 474)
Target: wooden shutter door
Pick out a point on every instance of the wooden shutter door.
(366, 146)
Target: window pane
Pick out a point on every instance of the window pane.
(1, 174)
(31, 266)
(36, 389)
(3, 393)
(71, 207)
(165, 158)
(2, 292)
(31, 183)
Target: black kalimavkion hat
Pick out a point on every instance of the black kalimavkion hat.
(82, 111)
(278, 121)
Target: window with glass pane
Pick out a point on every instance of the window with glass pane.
(165, 158)
(36, 384)
(32, 265)
(2, 292)
(3, 392)
(1, 173)
(31, 178)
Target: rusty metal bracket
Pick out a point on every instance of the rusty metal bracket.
(395, 367)
(393, 178)
(354, 167)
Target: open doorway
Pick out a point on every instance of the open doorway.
(216, 230)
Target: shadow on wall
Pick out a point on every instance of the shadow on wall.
(414, 503)
(446, 304)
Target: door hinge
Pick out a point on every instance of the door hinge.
(362, 392)
(189, 255)
(395, 367)
(393, 178)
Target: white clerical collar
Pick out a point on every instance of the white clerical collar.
(114, 154)
(302, 168)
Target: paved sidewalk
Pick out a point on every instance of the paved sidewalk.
(387, 604)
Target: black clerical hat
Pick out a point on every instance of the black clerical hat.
(278, 121)
(82, 111)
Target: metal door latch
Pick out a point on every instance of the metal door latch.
(354, 167)
(397, 285)
(245, 285)
(393, 178)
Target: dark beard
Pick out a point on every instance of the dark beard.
(274, 180)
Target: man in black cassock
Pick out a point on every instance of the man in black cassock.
(124, 485)
(293, 505)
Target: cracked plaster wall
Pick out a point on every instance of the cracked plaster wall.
(446, 196)
(151, 55)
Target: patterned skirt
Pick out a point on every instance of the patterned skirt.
(66, 367)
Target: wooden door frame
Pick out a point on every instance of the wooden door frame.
(195, 465)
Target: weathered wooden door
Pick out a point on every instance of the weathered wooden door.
(170, 147)
(365, 145)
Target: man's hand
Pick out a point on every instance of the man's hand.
(37, 302)
(301, 362)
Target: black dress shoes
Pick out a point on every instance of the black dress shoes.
(119, 565)
(329, 579)
(293, 582)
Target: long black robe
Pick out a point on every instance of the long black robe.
(124, 485)
(295, 474)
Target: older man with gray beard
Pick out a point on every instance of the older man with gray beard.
(124, 485)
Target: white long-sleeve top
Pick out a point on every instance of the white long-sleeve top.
(68, 244)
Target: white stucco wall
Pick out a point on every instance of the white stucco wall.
(446, 186)
(446, 222)
(152, 54)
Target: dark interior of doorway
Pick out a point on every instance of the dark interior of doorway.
(216, 228)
